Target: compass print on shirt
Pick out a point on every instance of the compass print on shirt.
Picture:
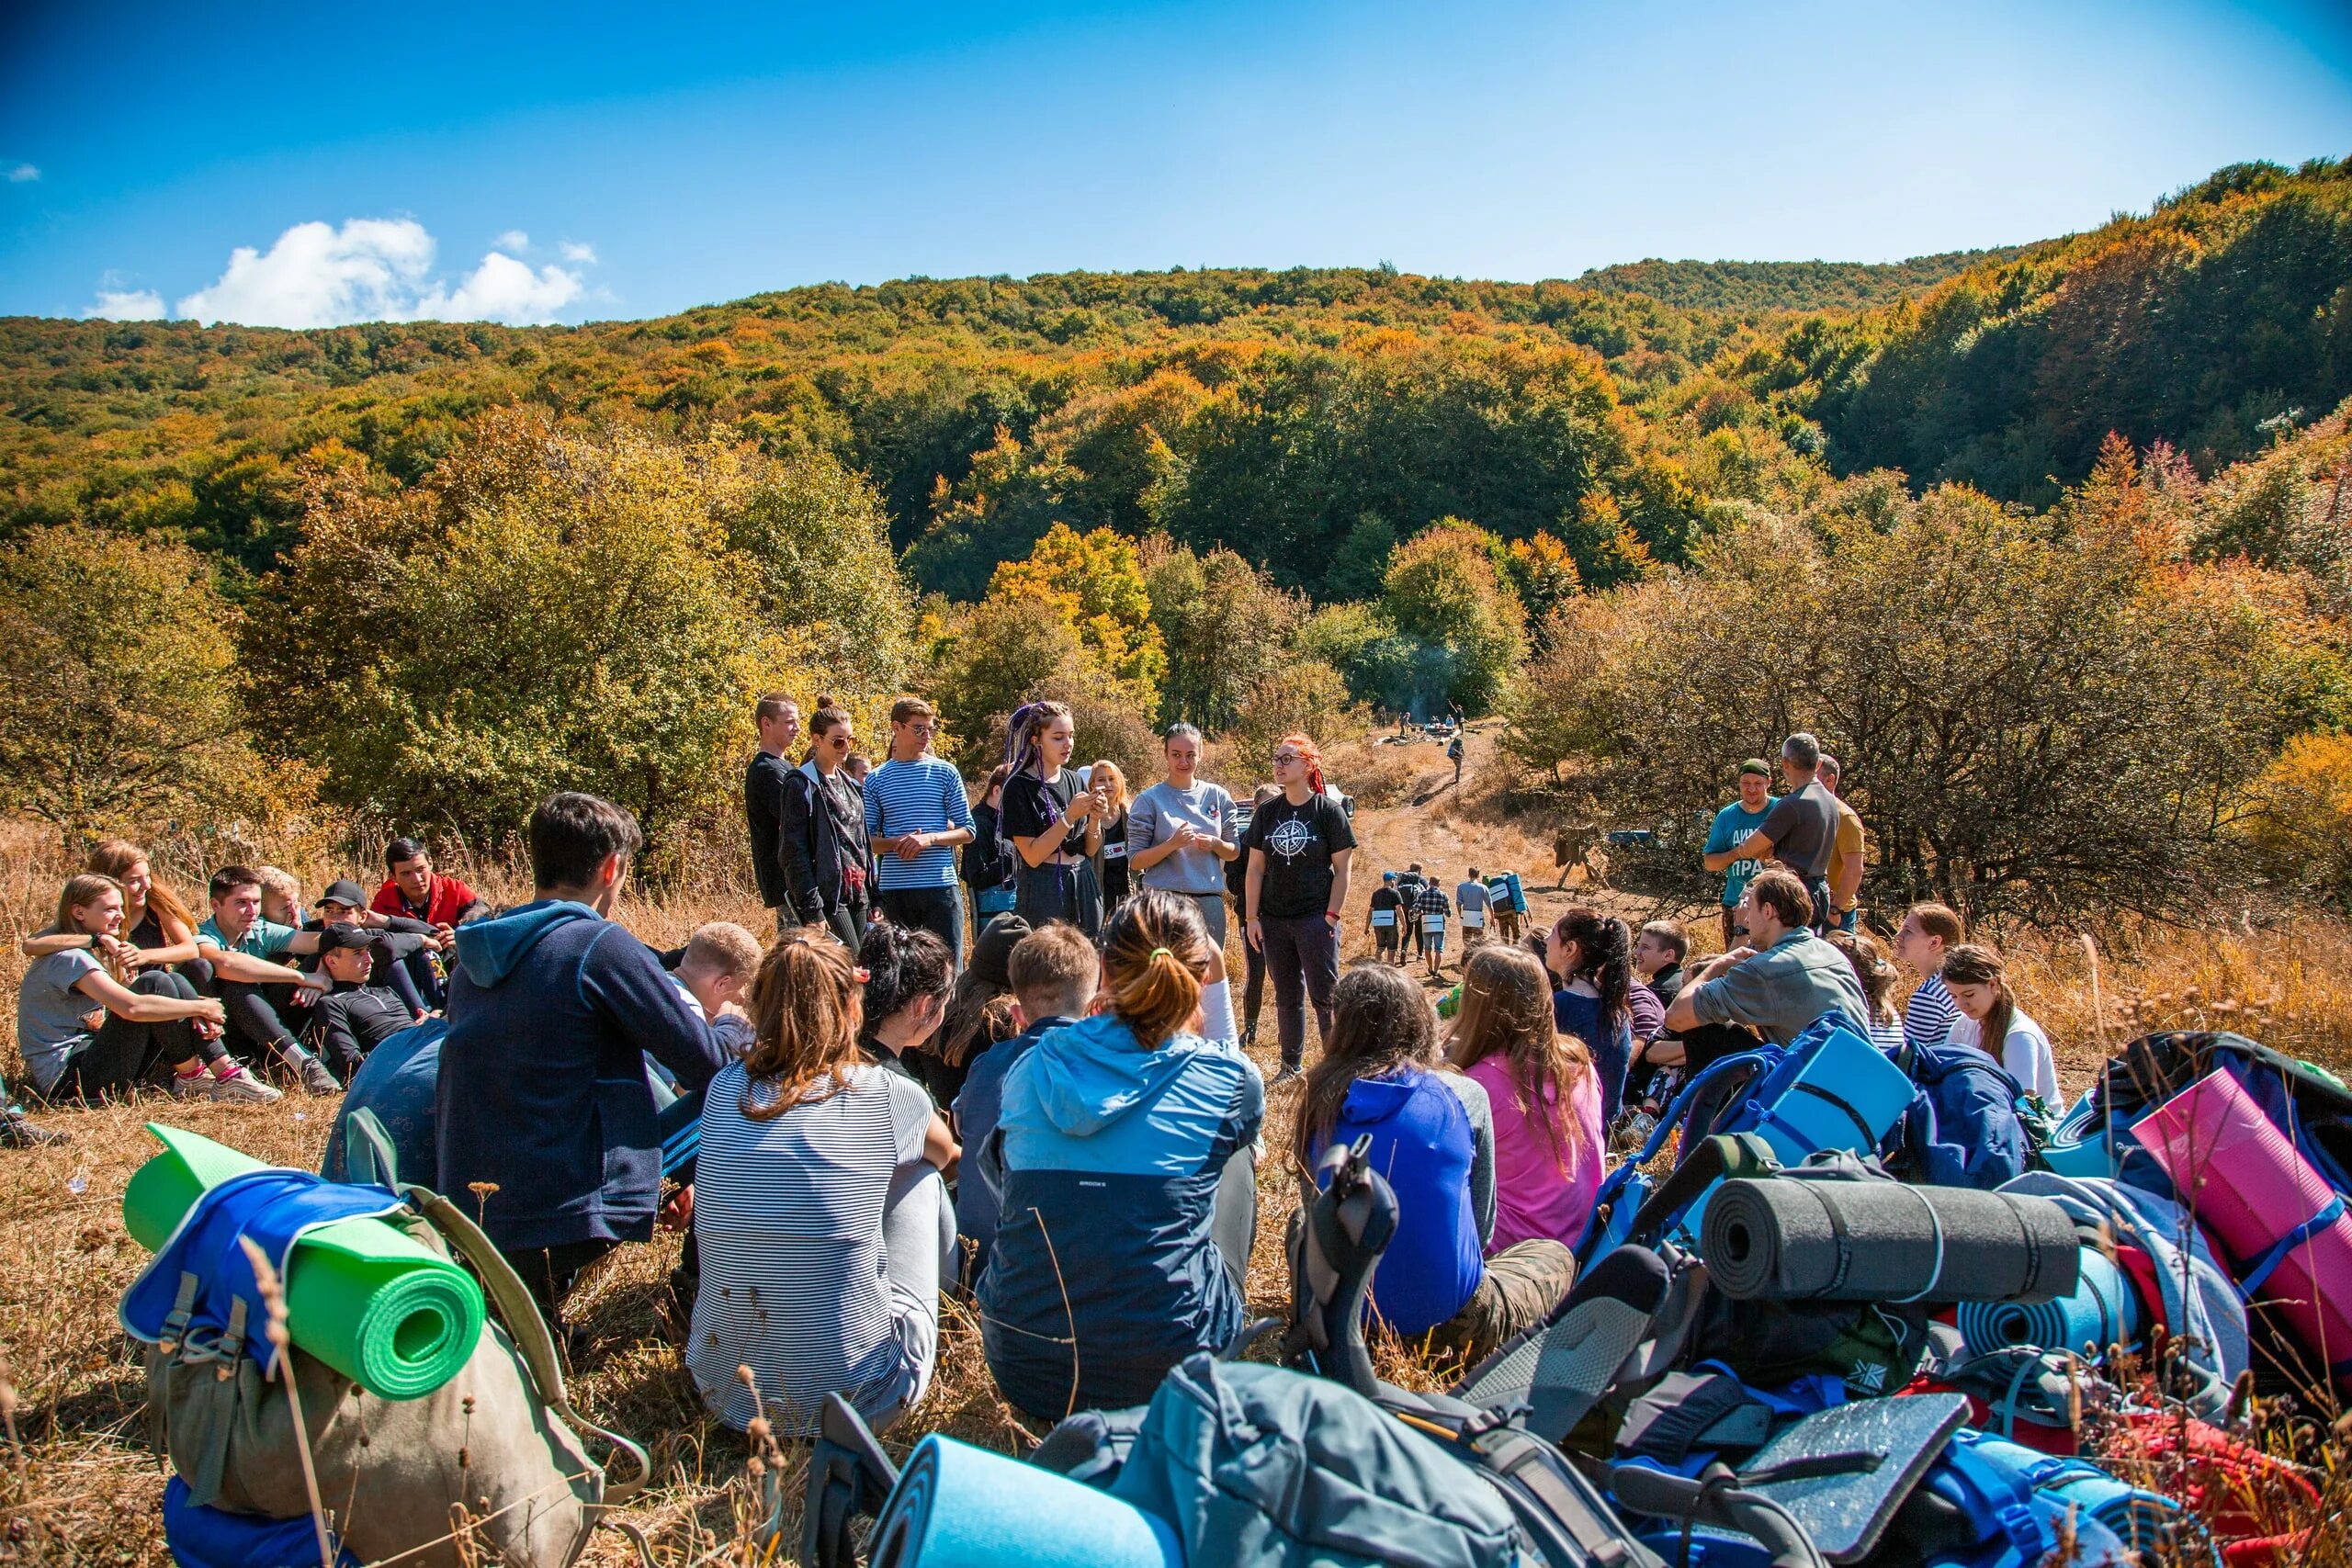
(1291, 839)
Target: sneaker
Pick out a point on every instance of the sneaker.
(314, 1076)
(1288, 1074)
(239, 1088)
(16, 1132)
(197, 1085)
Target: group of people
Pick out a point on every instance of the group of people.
(127, 986)
(1411, 912)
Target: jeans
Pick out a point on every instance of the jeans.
(1069, 893)
(939, 910)
(1302, 956)
(122, 1054)
(1212, 908)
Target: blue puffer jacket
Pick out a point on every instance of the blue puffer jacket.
(1962, 1128)
(1107, 1158)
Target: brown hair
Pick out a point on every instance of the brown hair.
(81, 891)
(1871, 970)
(1156, 949)
(806, 1007)
(995, 781)
(1974, 963)
(1118, 783)
(724, 948)
(1939, 920)
(1507, 1011)
(1604, 957)
(115, 857)
(830, 715)
(906, 708)
(772, 705)
(1380, 1021)
(1055, 962)
(1672, 937)
(1780, 892)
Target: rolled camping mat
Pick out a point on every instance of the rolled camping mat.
(2145, 1520)
(1793, 1238)
(1846, 1097)
(2103, 1309)
(2084, 1145)
(956, 1504)
(362, 1295)
(2286, 1231)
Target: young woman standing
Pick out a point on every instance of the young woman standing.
(1180, 833)
(1110, 787)
(1299, 845)
(986, 869)
(1054, 824)
(828, 866)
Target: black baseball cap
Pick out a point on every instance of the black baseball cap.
(347, 894)
(354, 937)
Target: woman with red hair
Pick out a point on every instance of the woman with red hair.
(1299, 846)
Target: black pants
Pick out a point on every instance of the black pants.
(123, 1055)
(1302, 956)
(1047, 892)
(257, 1027)
(939, 910)
(549, 1273)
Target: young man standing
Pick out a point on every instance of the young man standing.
(1846, 859)
(543, 1097)
(1801, 830)
(1472, 900)
(1382, 918)
(1430, 911)
(1929, 931)
(1409, 889)
(1727, 838)
(778, 718)
(916, 817)
(413, 888)
(255, 990)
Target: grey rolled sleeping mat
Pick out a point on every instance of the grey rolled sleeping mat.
(1802, 1236)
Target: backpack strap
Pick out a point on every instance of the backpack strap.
(521, 1315)
(2259, 1269)
(367, 1155)
(1770, 1116)
(1713, 1159)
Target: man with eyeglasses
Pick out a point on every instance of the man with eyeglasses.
(916, 817)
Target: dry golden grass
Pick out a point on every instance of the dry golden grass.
(81, 1487)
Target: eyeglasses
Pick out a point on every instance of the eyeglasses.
(1281, 756)
(840, 737)
(914, 728)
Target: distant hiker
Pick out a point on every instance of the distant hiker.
(1929, 933)
(1473, 901)
(917, 818)
(256, 988)
(1125, 1172)
(1590, 955)
(1053, 973)
(1453, 751)
(778, 718)
(1237, 888)
(988, 865)
(1430, 912)
(1544, 1094)
(1110, 869)
(1300, 846)
(1181, 832)
(1382, 920)
(88, 1027)
(1778, 984)
(1409, 887)
(821, 1215)
(543, 1094)
(907, 985)
(1727, 838)
(1848, 857)
(1991, 1022)
(1801, 830)
(1052, 821)
(412, 887)
(1874, 973)
(355, 1015)
(828, 870)
(1432, 1134)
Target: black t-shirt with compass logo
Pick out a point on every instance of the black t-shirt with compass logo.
(1297, 843)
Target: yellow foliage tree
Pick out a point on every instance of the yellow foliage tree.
(1095, 583)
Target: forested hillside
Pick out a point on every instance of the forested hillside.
(1786, 286)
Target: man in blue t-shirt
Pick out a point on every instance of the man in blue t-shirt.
(917, 816)
(1734, 825)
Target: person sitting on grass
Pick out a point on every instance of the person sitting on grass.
(908, 978)
(1053, 973)
(821, 1215)
(981, 1013)
(398, 940)
(1544, 1095)
(1777, 985)
(355, 1015)
(1875, 975)
(543, 1097)
(155, 922)
(715, 973)
(1124, 1173)
(1590, 957)
(1432, 1135)
(256, 989)
(1929, 931)
(87, 1027)
(413, 888)
(1991, 1022)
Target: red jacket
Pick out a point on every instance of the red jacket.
(449, 898)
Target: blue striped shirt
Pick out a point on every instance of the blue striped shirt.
(923, 797)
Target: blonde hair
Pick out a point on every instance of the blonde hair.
(724, 949)
(807, 1004)
(1106, 769)
(281, 883)
(1155, 951)
(79, 893)
(1507, 1011)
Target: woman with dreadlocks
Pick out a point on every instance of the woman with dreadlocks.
(1053, 821)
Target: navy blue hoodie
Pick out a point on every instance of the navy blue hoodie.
(1962, 1128)
(543, 1086)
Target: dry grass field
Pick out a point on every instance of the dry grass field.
(79, 1484)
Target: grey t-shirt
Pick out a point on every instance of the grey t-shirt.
(1481, 1112)
(1803, 827)
(1153, 817)
(51, 1016)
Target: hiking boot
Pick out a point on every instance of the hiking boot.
(314, 1077)
(238, 1088)
(16, 1132)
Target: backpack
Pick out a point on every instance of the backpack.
(501, 1435)
(1959, 1085)
(2308, 1103)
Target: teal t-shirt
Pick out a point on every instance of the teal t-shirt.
(262, 938)
(1732, 825)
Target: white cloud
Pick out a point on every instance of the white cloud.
(573, 251)
(513, 240)
(126, 305)
(18, 174)
(377, 269)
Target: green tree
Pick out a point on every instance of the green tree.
(1228, 628)
(1096, 581)
(118, 699)
(1442, 594)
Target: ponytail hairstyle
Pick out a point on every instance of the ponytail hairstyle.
(1022, 729)
(903, 966)
(1605, 958)
(1381, 1021)
(115, 857)
(1155, 951)
(1308, 753)
(806, 1009)
(1974, 964)
(1506, 1011)
(1873, 972)
(827, 716)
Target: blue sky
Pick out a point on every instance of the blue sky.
(597, 161)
